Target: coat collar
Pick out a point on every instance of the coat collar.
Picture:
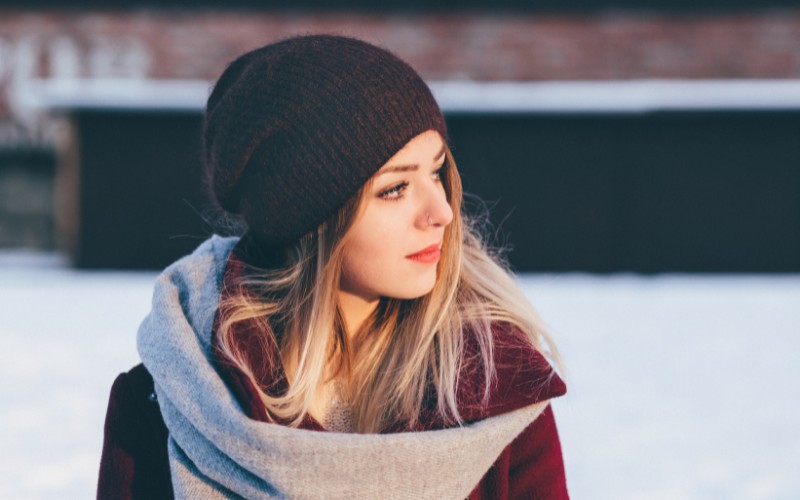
(523, 376)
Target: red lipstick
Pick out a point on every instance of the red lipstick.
(428, 255)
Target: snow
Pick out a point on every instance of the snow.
(553, 96)
(680, 386)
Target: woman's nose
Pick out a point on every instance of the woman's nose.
(437, 211)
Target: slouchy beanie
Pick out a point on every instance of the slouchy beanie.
(293, 129)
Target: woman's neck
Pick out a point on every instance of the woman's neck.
(355, 310)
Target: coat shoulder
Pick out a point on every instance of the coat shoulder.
(134, 461)
(523, 366)
(522, 374)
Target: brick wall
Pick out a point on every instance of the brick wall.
(196, 44)
(478, 46)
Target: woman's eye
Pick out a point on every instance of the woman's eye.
(393, 193)
(437, 174)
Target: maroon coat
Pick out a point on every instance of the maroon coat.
(134, 461)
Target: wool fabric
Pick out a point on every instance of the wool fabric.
(293, 129)
(216, 451)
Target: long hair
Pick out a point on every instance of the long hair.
(404, 348)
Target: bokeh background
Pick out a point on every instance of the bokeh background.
(639, 159)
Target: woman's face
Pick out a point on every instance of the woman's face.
(394, 246)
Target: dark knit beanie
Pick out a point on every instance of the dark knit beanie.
(295, 128)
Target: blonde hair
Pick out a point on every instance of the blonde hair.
(401, 349)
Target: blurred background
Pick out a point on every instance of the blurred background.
(639, 158)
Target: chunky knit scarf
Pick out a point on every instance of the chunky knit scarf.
(216, 451)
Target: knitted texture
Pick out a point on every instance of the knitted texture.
(216, 451)
(295, 128)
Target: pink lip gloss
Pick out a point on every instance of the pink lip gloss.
(428, 255)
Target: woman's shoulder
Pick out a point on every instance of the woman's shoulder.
(134, 460)
(523, 375)
(133, 392)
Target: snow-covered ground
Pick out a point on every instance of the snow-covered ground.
(679, 386)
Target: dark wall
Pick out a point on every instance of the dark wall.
(694, 192)
(141, 198)
(686, 192)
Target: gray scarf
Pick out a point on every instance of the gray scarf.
(216, 451)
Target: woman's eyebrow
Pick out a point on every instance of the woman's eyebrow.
(411, 167)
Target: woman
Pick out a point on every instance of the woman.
(359, 302)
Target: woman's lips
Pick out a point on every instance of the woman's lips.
(427, 255)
